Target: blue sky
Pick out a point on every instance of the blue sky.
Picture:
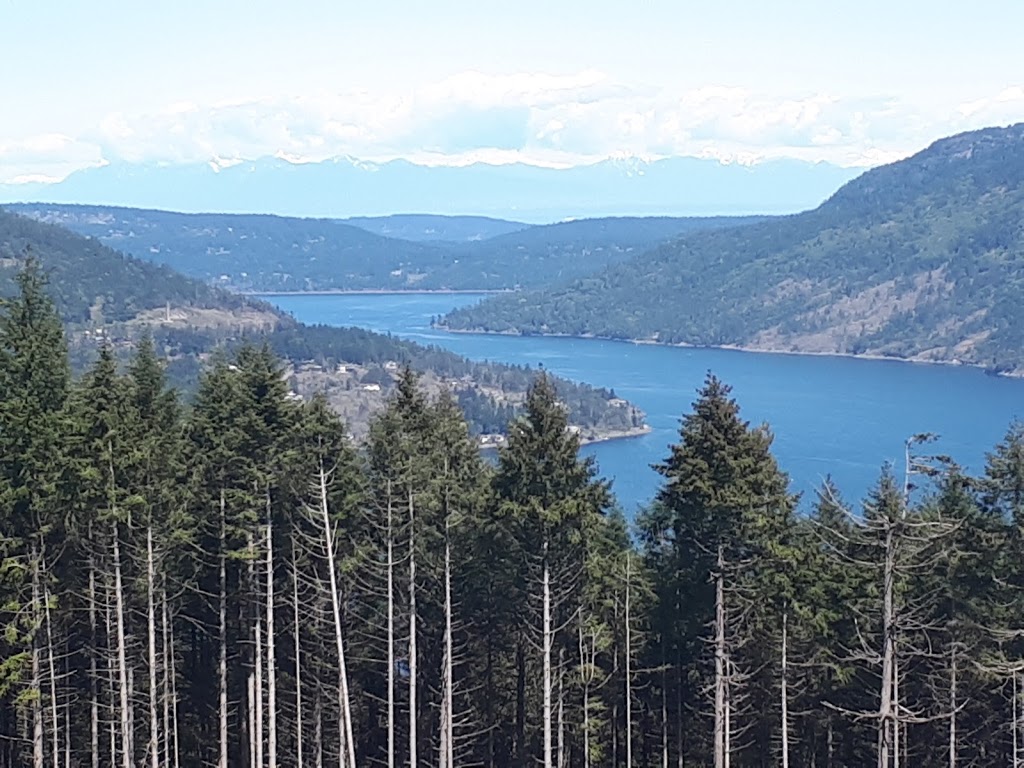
(557, 82)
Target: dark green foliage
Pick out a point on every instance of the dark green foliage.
(126, 515)
(919, 258)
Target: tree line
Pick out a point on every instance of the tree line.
(231, 582)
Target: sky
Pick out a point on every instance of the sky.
(556, 83)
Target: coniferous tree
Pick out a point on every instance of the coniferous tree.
(729, 508)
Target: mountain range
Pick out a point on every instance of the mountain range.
(922, 259)
(344, 187)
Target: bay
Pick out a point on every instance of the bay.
(835, 416)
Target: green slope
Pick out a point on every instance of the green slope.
(102, 294)
(920, 259)
(274, 253)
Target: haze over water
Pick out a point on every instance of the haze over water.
(830, 415)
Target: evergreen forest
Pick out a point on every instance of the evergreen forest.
(228, 581)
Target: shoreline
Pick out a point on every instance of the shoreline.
(378, 292)
(608, 437)
(1016, 373)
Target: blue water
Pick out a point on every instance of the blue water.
(830, 415)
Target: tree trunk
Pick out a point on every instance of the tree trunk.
(127, 751)
(222, 662)
(271, 655)
(111, 678)
(785, 690)
(886, 722)
(560, 760)
(391, 629)
(447, 725)
(664, 709)
(154, 729)
(298, 664)
(952, 706)
(94, 692)
(547, 645)
(585, 668)
(55, 735)
(318, 729)
(720, 663)
(413, 713)
(629, 669)
(347, 751)
(250, 697)
(257, 700)
(38, 743)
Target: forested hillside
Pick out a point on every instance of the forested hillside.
(273, 253)
(921, 259)
(104, 296)
(428, 228)
(235, 583)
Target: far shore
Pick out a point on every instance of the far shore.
(605, 437)
(1017, 373)
(377, 292)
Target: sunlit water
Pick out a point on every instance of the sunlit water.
(830, 415)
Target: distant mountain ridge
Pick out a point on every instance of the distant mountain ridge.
(272, 253)
(921, 259)
(431, 228)
(344, 187)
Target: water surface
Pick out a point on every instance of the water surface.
(830, 415)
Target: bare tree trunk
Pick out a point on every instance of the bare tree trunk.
(38, 744)
(55, 735)
(887, 731)
(629, 667)
(298, 664)
(561, 710)
(257, 700)
(896, 740)
(391, 630)
(727, 746)
(176, 747)
(222, 662)
(664, 710)
(250, 695)
(720, 670)
(413, 713)
(127, 751)
(318, 730)
(952, 706)
(1016, 724)
(271, 655)
(584, 666)
(94, 693)
(154, 729)
(347, 752)
(168, 668)
(111, 679)
(547, 645)
(447, 715)
(785, 689)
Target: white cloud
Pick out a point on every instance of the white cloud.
(44, 158)
(552, 119)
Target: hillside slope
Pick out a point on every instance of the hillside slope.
(426, 227)
(922, 259)
(104, 295)
(274, 253)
